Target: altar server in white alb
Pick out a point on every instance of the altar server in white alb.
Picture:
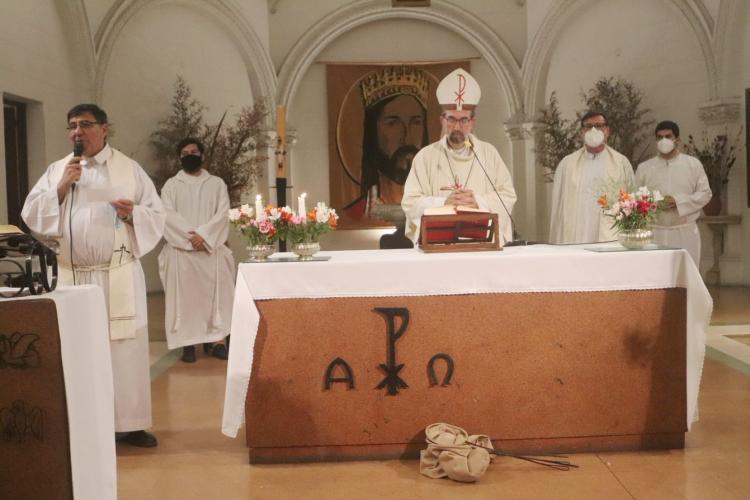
(196, 267)
(459, 169)
(105, 213)
(683, 182)
(580, 179)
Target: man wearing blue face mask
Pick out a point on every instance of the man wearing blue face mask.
(580, 179)
(683, 182)
(195, 266)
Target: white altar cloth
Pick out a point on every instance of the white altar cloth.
(393, 273)
(87, 372)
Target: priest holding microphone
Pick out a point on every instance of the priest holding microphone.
(103, 210)
(459, 169)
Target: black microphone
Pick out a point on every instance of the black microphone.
(78, 151)
(515, 242)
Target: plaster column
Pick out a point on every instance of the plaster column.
(527, 179)
(722, 116)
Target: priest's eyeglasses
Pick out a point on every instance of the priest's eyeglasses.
(84, 124)
(598, 126)
(452, 120)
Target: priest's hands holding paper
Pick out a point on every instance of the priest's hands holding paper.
(124, 208)
(199, 244)
(462, 197)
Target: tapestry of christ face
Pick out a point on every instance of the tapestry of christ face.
(401, 131)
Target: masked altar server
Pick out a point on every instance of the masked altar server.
(196, 267)
(683, 182)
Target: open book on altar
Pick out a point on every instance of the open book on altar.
(451, 225)
(453, 210)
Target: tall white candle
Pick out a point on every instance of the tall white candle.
(302, 212)
(260, 214)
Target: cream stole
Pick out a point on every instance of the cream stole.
(121, 285)
(613, 172)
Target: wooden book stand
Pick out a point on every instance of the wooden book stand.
(465, 232)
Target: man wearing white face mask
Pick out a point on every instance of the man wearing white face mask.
(683, 182)
(580, 178)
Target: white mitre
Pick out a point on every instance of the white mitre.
(458, 90)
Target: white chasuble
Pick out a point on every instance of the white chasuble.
(580, 179)
(198, 285)
(87, 229)
(437, 167)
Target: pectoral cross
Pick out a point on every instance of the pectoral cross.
(123, 250)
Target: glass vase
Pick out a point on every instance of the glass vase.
(635, 239)
(261, 252)
(305, 251)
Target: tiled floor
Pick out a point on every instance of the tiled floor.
(195, 461)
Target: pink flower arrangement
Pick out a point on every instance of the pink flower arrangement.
(258, 231)
(282, 223)
(319, 220)
(630, 211)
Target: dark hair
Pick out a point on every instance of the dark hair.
(668, 125)
(99, 114)
(592, 113)
(189, 140)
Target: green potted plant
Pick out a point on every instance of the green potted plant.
(717, 155)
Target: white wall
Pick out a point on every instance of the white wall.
(156, 45)
(39, 64)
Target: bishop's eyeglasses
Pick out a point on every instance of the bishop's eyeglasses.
(452, 120)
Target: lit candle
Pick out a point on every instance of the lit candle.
(260, 214)
(301, 204)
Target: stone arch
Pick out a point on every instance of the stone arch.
(74, 14)
(494, 51)
(536, 61)
(258, 64)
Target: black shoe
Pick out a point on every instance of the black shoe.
(220, 351)
(141, 439)
(188, 354)
(207, 347)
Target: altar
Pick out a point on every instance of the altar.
(543, 348)
(56, 399)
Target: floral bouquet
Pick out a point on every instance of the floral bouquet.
(632, 211)
(261, 230)
(297, 229)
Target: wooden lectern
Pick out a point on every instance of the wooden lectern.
(460, 232)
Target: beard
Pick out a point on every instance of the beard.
(397, 166)
(457, 138)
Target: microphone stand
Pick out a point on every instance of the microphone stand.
(515, 242)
